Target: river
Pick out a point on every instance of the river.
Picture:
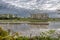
(26, 29)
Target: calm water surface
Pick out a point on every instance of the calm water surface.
(26, 29)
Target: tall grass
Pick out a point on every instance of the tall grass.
(47, 35)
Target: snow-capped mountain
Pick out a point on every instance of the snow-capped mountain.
(25, 7)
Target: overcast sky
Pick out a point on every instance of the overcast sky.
(35, 4)
(8, 5)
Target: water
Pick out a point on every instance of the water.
(27, 29)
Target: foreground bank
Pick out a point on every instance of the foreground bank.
(47, 35)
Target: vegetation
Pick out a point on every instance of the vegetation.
(48, 35)
(54, 19)
(29, 20)
(7, 16)
(15, 18)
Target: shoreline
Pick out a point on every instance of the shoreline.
(30, 23)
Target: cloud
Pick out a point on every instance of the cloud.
(11, 6)
(35, 4)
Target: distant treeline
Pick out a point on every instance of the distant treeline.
(5, 18)
(8, 16)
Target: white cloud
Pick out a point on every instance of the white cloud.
(35, 4)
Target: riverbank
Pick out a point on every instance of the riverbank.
(25, 22)
(28, 20)
(46, 35)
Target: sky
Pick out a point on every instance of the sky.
(24, 7)
(35, 4)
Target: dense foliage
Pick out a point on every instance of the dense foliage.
(4, 35)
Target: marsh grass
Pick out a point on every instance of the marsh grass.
(47, 35)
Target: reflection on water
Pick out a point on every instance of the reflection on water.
(54, 25)
(28, 28)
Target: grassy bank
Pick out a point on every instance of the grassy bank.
(30, 20)
(48, 35)
(54, 19)
(24, 19)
